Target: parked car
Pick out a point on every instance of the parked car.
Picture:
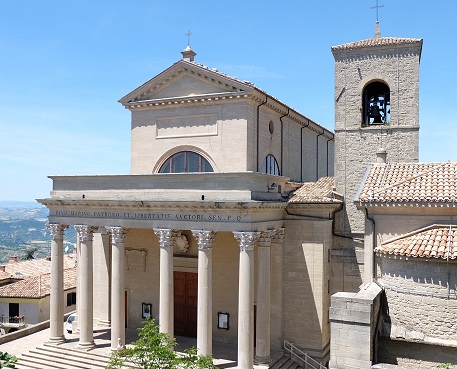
(69, 322)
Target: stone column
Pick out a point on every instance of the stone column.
(117, 287)
(104, 283)
(57, 293)
(262, 347)
(205, 292)
(86, 292)
(166, 308)
(246, 241)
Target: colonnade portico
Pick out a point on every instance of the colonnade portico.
(205, 240)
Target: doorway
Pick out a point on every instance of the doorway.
(185, 303)
(13, 309)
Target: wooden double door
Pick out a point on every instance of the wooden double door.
(185, 303)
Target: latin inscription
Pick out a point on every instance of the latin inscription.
(148, 216)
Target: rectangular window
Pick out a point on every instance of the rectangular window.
(71, 298)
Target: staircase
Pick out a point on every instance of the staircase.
(295, 358)
(55, 357)
(285, 362)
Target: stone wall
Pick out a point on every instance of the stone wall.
(422, 299)
(415, 355)
(306, 277)
(353, 324)
(226, 135)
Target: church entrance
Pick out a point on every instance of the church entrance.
(185, 303)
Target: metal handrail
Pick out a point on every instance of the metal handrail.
(301, 356)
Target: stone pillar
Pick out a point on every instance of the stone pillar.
(246, 241)
(117, 288)
(104, 282)
(205, 292)
(276, 290)
(262, 347)
(86, 292)
(57, 293)
(166, 308)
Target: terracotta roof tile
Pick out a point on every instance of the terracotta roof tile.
(410, 183)
(37, 286)
(29, 268)
(321, 191)
(376, 42)
(436, 241)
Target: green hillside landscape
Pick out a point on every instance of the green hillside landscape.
(23, 228)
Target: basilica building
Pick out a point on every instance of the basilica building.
(244, 221)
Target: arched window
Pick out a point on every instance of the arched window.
(186, 162)
(376, 104)
(270, 166)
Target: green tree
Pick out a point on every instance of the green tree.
(155, 350)
(29, 253)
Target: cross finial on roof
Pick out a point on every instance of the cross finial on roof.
(377, 6)
(188, 34)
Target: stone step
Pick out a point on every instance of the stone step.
(56, 361)
(284, 362)
(73, 354)
(55, 357)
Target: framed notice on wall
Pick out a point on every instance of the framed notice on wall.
(223, 320)
(146, 310)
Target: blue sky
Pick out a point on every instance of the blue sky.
(64, 65)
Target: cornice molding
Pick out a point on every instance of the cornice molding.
(187, 100)
(166, 205)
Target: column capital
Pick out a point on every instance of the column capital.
(204, 238)
(104, 230)
(118, 234)
(166, 236)
(265, 238)
(85, 232)
(57, 230)
(278, 236)
(246, 240)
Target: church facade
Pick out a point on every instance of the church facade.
(233, 226)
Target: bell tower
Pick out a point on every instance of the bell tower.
(376, 111)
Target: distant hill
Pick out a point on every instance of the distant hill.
(23, 226)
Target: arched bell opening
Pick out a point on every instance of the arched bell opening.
(376, 104)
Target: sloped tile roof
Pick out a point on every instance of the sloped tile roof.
(376, 42)
(4, 275)
(321, 191)
(34, 267)
(37, 286)
(436, 241)
(410, 183)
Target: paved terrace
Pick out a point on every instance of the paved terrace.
(225, 355)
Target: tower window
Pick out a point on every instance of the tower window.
(186, 162)
(270, 166)
(376, 104)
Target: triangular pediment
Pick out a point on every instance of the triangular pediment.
(185, 79)
(186, 85)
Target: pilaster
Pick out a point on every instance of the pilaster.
(262, 354)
